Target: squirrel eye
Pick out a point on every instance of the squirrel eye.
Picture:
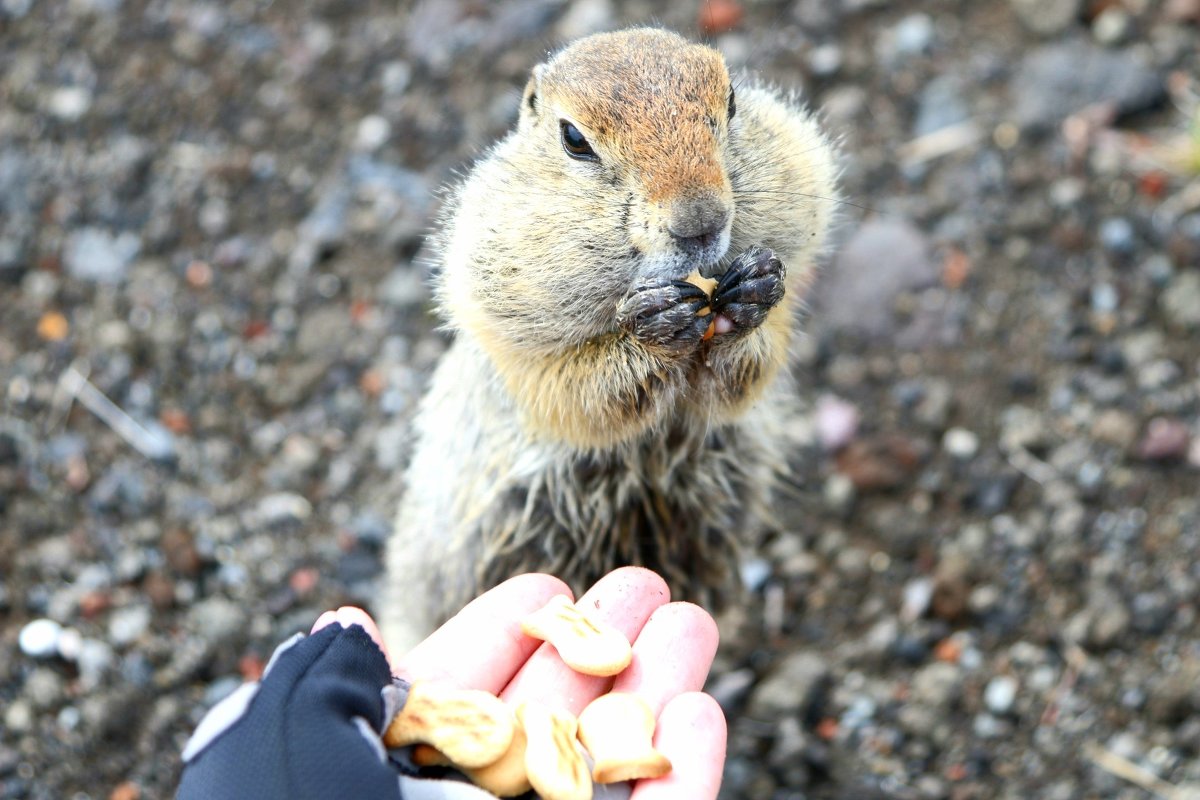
(732, 104)
(575, 144)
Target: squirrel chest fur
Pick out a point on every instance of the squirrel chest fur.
(596, 409)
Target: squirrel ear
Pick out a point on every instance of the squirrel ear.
(531, 99)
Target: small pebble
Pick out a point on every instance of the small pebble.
(1000, 694)
(918, 595)
(68, 718)
(39, 639)
(719, 16)
(825, 59)
(53, 327)
(1180, 300)
(836, 421)
(1112, 26)
(1165, 439)
(44, 688)
(283, 507)
(1117, 236)
(937, 684)
(69, 103)
(373, 132)
(1104, 298)
(70, 644)
(961, 443)
(127, 624)
(986, 726)
(19, 716)
(913, 34)
(791, 687)
(128, 790)
(755, 573)
(1047, 17)
(859, 713)
(100, 256)
(94, 660)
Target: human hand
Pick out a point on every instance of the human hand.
(673, 647)
(311, 728)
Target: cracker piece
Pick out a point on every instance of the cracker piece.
(471, 727)
(618, 729)
(553, 762)
(587, 646)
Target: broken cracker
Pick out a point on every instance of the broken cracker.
(593, 648)
(708, 286)
(471, 727)
(426, 755)
(507, 776)
(617, 729)
(553, 763)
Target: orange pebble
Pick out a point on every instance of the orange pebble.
(199, 274)
(371, 382)
(948, 650)
(126, 791)
(827, 728)
(175, 420)
(955, 268)
(719, 16)
(53, 327)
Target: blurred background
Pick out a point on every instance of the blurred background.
(215, 321)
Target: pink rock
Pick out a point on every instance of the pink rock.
(1165, 439)
(836, 422)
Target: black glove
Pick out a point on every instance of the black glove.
(310, 729)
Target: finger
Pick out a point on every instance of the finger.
(691, 732)
(624, 598)
(672, 655)
(483, 646)
(351, 615)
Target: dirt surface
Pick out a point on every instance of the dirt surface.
(216, 322)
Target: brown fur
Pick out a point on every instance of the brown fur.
(553, 438)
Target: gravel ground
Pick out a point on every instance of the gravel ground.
(215, 323)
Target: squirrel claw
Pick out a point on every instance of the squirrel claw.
(666, 315)
(752, 286)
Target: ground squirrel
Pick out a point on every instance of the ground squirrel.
(582, 419)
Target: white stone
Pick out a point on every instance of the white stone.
(961, 443)
(1000, 694)
(39, 639)
(373, 132)
(69, 103)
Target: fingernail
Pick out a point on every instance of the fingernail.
(324, 621)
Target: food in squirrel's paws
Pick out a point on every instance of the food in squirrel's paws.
(706, 285)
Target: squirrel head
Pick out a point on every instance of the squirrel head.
(642, 116)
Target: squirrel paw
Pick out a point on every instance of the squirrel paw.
(666, 315)
(751, 287)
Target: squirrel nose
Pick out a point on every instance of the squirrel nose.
(697, 222)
